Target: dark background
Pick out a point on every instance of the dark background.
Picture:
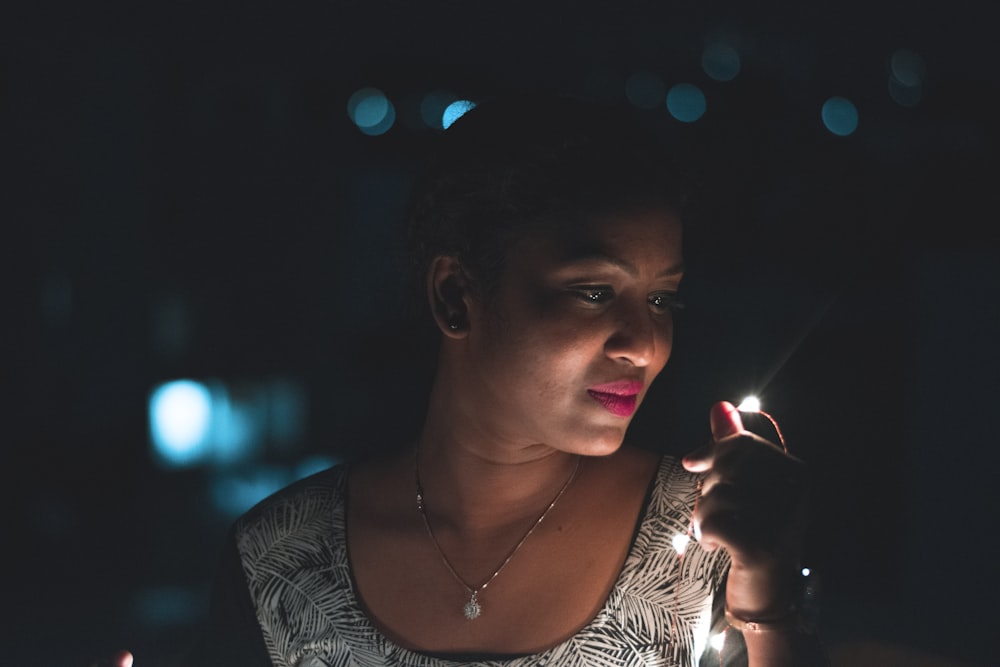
(184, 195)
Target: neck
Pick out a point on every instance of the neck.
(472, 481)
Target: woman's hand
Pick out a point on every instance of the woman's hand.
(752, 505)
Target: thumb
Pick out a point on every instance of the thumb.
(725, 419)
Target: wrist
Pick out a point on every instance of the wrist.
(785, 621)
(762, 593)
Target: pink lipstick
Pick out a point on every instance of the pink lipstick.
(618, 398)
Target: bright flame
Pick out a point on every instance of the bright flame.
(749, 404)
(680, 543)
(717, 641)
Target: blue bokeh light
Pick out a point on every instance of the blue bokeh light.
(367, 107)
(233, 493)
(385, 125)
(907, 67)
(180, 422)
(906, 78)
(840, 116)
(645, 90)
(222, 424)
(312, 465)
(433, 105)
(721, 62)
(686, 102)
(454, 111)
(371, 111)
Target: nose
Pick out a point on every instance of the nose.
(638, 338)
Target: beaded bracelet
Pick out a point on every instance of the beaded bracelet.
(790, 622)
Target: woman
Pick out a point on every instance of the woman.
(518, 529)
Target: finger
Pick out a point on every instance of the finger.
(123, 659)
(727, 518)
(725, 420)
(700, 459)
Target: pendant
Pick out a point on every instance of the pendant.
(472, 609)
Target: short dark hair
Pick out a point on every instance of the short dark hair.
(522, 163)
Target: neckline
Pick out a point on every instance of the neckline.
(386, 646)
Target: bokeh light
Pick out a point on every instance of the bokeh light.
(686, 102)
(180, 421)
(371, 111)
(454, 111)
(433, 105)
(840, 116)
(907, 67)
(720, 61)
(645, 90)
(906, 78)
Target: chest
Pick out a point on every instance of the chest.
(416, 588)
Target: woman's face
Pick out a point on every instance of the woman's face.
(579, 327)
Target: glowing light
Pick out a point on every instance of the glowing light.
(217, 424)
(371, 111)
(721, 62)
(907, 67)
(454, 111)
(702, 625)
(806, 572)
(645, 90)
(233, 493)
(680, 542)
(367, 107)
(840, 116)
(906, 78)
(686, 102)
(432, 107)
(311, 466)
(749, 404)
(180, 418)
(717, 641)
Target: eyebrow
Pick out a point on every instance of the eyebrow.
(591, 255)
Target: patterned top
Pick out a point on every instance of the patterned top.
(293, 562)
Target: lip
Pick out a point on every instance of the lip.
(619, 398)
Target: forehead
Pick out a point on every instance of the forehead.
(650, 237)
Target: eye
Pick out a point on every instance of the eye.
(594, 295)
(663, 302)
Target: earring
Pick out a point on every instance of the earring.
(454, 321)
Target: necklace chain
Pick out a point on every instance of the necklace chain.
(472, 608)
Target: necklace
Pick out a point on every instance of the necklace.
(472, 608)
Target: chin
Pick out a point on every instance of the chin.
(601, 444)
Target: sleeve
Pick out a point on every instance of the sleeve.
(231, 635)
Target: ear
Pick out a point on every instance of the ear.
(448, 291)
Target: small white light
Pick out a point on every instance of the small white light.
(806, 572)
(717, 641)
(680, 543)
(749, 404)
